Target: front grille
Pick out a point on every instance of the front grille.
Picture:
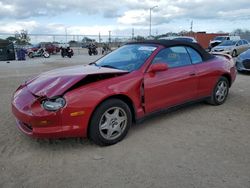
(246, 63)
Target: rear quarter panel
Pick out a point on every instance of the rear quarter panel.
(210, 71)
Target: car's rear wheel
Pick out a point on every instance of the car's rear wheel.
(110, 122)
(234, 54)
(220, 92)
(31, 55)
(46, 55)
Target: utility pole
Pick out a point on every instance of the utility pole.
(150, 9)
(66, 35)
(109, 37)
(191, 26)
(133, 34)
(99, 37)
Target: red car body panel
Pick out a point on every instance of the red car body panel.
(147, 92)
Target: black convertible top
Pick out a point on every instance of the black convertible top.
(170, 43)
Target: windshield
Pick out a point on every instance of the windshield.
(128, 57)
(228, 43)
(220, 38)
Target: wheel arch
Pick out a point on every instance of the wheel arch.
(121, 97)
(228, 77)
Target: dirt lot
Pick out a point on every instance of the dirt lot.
(196, 146)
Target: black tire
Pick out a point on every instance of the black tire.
(97, 135)
(90, 53)
(46, 55)
(234, 54)
(31, 55)
(219, 98)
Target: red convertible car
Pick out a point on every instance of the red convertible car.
(101, 100)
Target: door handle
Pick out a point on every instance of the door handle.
(192, 74)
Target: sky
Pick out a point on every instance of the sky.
(91, 17)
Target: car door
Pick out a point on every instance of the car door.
(246, 45)
(204, 73)
(173, 86)
(240, 47)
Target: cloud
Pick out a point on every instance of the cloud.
(23, 9)
(125, 14)
(185, 9)
(7, 27)
(126, 10)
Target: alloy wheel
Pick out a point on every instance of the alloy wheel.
(221, 91)
(113, 123)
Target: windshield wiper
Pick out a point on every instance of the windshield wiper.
(108, 66)
(93, 63)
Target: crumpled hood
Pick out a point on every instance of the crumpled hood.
(56, 82)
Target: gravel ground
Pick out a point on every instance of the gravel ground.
(194, 147)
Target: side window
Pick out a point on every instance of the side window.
(194, 55)
(239, 43)
(173, 57)
(245, 42)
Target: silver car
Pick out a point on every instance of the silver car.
(231, 47)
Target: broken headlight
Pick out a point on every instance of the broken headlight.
(53, 104)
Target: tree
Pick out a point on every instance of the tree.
(86, 39)
(12, 39)
(22, 37)
(139, 38)
(244, 34)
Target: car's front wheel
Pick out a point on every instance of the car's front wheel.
(110, 122)
(234, 54)
(220, 92)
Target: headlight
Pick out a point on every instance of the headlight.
(53, 104)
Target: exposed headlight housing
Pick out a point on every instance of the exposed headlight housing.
(53, 104)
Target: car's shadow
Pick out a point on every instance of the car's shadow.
(244, 72)
(165, 115)
(67, 143)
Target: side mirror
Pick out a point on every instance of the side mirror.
(158, 67)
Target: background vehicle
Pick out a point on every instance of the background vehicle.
(39, 53)
(243, 62)
(101, 100)
(67, 52)
(106, 49)
(92, 49)
(217, 40)
(49, 47)
(232, 47)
